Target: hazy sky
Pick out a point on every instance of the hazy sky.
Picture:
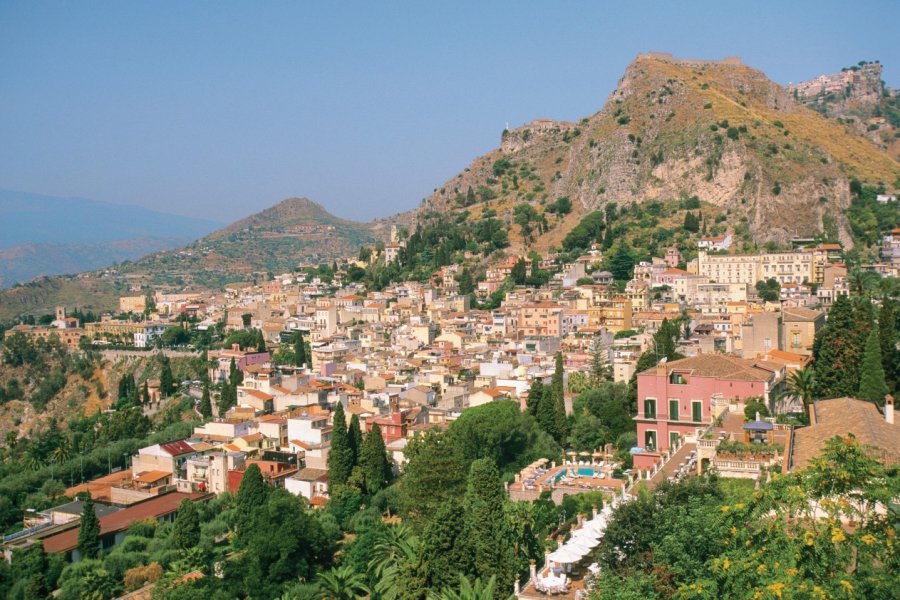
(220, 109)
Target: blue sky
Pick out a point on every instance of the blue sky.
(220, 109)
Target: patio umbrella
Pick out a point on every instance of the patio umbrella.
(586, 534)
(581, 545)
(565, 555)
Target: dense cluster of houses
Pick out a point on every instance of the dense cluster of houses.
(416, 355)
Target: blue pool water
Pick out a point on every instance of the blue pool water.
(582, 471)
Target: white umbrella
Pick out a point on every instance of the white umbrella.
(564, 555)
(586, 534)
(583, 546)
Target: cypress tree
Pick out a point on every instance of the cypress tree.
(299, 350)
(205, 403)
(374, 461)
(166, 380)
(145, 393)
(186, 530)
(872, 385)
(535, 395)
(340, 457)
(838, 349)
(488, 529)
(559, 403)
(89, 531)
(446, 548)
(545, 413)
(355, 438)
(887, 333)
(250, 499)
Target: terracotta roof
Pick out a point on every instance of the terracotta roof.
(151, 476)
(311, 474)
(257, 394)
(121, 520)
(720, 366)
(177, 448)
(800, 314)
(843, 416)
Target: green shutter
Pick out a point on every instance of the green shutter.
(698, 411)
(673, 410)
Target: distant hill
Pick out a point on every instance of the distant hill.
(35, 218)
(672, 129)
(48, 235)
(294, 232)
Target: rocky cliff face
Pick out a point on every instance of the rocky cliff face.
(857, 98)
(674, 128)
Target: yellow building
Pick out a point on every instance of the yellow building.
(784, 267)
(132, 304)
(615, 315)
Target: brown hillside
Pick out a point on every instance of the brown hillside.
(719, 130)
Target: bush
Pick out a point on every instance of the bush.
(753, 407)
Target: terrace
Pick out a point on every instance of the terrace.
(572, 477)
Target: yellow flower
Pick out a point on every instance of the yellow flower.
(846, 585)
(761, 569)
(739, 506)
(792, 571)
(808, 538)
(725, 508)
(776, 588)
(868, 539)
(726, 564)
(733, 530)
(837, 535)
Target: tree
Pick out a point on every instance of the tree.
(166, 380)
(446, 548)
(872, 385)
(205, 402)
(621, 263)
(340, 457)
(300, 358)
(434, 472)
(535, 395)
(355, 438)
(145, 394)
(468, 590)
(838, 348)
(691, 222)
(601, 370)
(802, 384)
(186, 530)
(246, 319)
(488, 528)
(753, 407)
(466, 283)
(374, 461)
(559, 403)
(89, 531)
(769, 290)
(519, 272)
(251, 496)
(341, 583)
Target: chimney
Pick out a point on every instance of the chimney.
(812, 413)
(889, 409)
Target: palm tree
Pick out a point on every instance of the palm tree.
(398, 552)
(62, 452)
(341, 583)
(801, 384)
(469, 591)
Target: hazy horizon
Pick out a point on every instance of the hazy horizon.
(221, 110)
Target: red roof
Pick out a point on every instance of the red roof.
(122, 520)
(177, 448)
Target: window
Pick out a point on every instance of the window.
(673, 438)
(678, 379)
(649, 408)
(697, 412)
(673, 410)
(650, 440)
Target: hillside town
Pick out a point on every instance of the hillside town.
(308, 355)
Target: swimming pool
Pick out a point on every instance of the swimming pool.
(581, 471)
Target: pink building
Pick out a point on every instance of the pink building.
(674, 399)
